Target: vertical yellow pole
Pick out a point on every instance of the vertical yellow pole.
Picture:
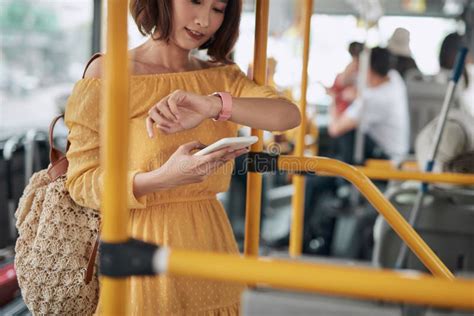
(296, 233)
(254, 180)
(113, 292)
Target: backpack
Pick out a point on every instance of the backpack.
(57, 244)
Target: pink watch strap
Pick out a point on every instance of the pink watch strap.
(226, 111)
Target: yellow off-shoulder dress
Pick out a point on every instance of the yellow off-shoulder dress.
(189, 216)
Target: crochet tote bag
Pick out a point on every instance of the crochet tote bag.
(57, 244)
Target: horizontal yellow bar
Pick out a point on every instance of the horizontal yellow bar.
(376, 198)
(387, 164)
(393, 174)
(354, 282)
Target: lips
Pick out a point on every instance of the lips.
(197, 36)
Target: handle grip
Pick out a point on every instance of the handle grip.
(459, 64)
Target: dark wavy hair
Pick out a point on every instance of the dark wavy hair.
(155, 17)
(380, 61)
(449, 49)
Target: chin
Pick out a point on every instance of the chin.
(187, 46)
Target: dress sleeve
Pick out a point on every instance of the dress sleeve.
(243, 87)
(84, 175)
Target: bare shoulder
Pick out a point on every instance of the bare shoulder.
(94, 68)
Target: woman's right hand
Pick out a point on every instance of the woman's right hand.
(183, 168)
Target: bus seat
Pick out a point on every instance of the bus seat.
(425, 99)
(445, 222)
(280, 303)
(266, 301)
(455, 152)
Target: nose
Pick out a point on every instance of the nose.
(202, 17)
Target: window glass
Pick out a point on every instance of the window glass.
(44, 45)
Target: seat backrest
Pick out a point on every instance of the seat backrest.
(445, 222)
(425, 99)
(279, 303)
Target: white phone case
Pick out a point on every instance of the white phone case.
(231, 142)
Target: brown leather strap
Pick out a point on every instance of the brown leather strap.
(94, 57)
(54, 153)
(91, 263)
(59, 163)
(58, 169)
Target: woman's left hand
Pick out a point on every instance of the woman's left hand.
(181, 110)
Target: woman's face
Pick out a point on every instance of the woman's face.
(196, 21)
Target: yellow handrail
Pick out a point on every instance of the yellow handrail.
(394, 174)
(114, 146)
(376, 198)
(324, 278)
(296, 234)
(388, 164)
(254, 180)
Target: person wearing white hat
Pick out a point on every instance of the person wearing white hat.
(399, 47)
(456, 148)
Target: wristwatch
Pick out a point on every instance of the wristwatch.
(226, 111)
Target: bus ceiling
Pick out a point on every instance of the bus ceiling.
(425, 8)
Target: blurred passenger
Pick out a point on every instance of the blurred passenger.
(456, 148)
(381, 112)
(399, 47)
(467, 96)
(447, 57)
(344, 88)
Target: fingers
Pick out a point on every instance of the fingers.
(165, 110)
(158, 117)
(162, 125)
(201, 167)
(149, 127)
(165, 114)
(223, 155)
(215, 155)
(216, 164)
(188, 147)
(234, 154)
(173, 102)
(224, 152)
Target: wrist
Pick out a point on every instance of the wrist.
(141, 184)
(216, 106)
(148, 182)
(225, 106)
(158, 180)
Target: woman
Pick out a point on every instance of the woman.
(171, 193)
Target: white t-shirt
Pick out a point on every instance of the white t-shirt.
(382, 113)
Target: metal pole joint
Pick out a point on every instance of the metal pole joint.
(133, 257)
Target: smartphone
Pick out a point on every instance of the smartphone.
(231, 142)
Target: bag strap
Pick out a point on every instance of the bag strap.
(91, 262)
(59, 163)
(54, 153)
(57, 158)
(93, 254)
(94, 57)
(58, 167)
